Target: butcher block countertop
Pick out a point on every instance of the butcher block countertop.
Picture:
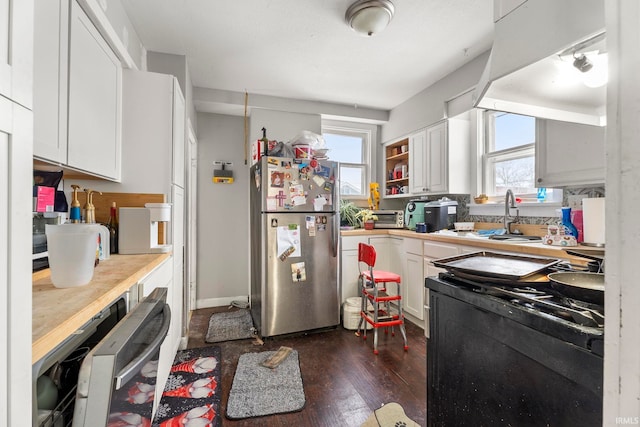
(59, 312)
(536, 249)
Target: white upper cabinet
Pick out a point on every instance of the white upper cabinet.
(439, 161)
(16, 59)
(569, 154)
(77, 92)
(95, 79)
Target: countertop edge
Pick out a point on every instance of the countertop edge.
(43, 344)
(525, 248)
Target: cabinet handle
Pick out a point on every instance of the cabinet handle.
(539, 179)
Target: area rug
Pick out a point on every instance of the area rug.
(192, 393)
(229, 326)
(258, 390)
(389, 415)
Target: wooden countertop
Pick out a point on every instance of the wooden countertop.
(525, 248)
(59, 312)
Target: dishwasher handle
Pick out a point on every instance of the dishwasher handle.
(136, 364)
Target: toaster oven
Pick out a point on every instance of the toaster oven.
(389, 219)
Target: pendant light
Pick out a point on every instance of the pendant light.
(369, 17)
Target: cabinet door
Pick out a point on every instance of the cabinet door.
(50, 80)
(16, 56)
(436, 158)
(16, 157)
(179, 127)
(429, 270)
(177, 240)
(413, 286)
(569, 154)
(349, 266)
(95, 78)
(418, 161)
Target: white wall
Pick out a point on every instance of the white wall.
(223, 213)
(428, 106)
(280, 125)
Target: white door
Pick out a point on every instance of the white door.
(418, 163)
(189, 301)
(436, 166)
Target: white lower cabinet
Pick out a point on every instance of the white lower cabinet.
(433, 251)
(413, 278)
(349, 270)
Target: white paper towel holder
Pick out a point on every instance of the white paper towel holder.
(594, 244)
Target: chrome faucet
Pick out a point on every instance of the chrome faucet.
(510, 203)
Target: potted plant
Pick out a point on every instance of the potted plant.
(367, 217)
(348, 215)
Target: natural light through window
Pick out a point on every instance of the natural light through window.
(351, 148)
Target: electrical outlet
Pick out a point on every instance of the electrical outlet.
(575, 201)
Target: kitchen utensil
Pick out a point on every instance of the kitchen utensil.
(72, 253)
(495, 264)
(582, 286)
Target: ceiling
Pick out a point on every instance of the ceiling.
(303, 49)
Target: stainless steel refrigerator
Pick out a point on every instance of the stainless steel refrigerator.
(294, 245)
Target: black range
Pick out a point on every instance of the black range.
(513, 356)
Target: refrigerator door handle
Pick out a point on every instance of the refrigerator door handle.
(135, 365)
(335, 236)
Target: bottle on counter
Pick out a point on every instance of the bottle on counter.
(569, 228)
(75, 216)
(113, 229)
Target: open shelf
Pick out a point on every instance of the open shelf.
(397, 167)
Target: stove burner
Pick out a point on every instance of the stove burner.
(542, 299)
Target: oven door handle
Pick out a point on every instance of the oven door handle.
(136, 364)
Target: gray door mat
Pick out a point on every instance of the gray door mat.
(257, 390)
(229, 326)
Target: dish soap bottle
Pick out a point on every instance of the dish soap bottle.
(74, 213)
(113, 229)
(569, 228)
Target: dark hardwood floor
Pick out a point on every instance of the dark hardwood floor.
(344, 381)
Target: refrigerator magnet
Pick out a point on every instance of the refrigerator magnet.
(324, 171)
(298, 272)
(318, 180)
(277, 179)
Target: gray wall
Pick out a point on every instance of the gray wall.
(223, 209)
(428, 106)
(223, 213)
(177, 66)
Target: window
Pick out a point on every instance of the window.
(350, 147)
(509, 157)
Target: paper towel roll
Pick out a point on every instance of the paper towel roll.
(593, 218)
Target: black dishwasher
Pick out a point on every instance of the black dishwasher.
(497, 357)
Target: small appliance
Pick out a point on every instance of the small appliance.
(440, 214)
(139, 229)
(414, 213)
(388, 219)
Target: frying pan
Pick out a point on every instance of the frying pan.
(583, 286)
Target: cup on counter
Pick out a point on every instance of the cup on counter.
(72, 253)
(421, 227)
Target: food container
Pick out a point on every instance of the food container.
(464, 226)
(351, 313)
(72, 253)
(302, 151)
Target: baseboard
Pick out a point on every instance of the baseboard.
(219, 302)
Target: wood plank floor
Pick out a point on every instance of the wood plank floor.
(344, 381)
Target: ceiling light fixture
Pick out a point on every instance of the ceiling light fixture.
(369, 17)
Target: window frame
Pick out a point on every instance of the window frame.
(355, 130)
(487, 156)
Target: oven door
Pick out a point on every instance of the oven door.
(117, 380)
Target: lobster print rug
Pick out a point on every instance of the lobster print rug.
(192, 393)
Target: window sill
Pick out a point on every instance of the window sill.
(547, 209)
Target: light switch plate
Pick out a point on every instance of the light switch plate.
(575, 201)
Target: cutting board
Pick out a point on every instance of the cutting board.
(103, 202)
